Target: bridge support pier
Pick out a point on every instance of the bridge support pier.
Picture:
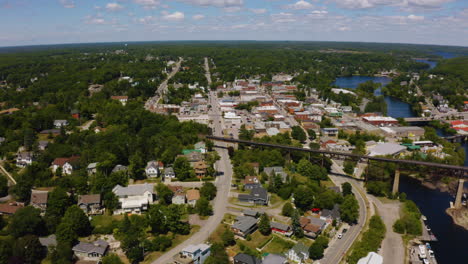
(458, 198)
(396, 181)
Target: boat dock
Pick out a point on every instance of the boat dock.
(427, 235)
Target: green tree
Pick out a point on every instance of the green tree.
(156, 219)
(298, 133)
(312, 134)
(22, 189)
(26, 220)
(137, 166)
(346, 188)
(218, 255)
(303, 198)
(57, 202)
(318, 247)
(349, 209)
(296, 225)
(76, 218)
(203, 207)
(228, 237)
(6, 251)
(3, 186)
(182, 168)
(28, 249)
(66, 233)
(208, 190)
(264, 225)
(111, 259)
(165, 194)
(287, 210)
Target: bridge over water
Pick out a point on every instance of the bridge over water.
(460, 171)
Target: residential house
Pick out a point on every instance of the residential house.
(119, 168)
(42, 145)
(329, 132)
(169, 173)
(242, 258)
(244, 226)
(152, 169)
(193, 254)
(251, 213)
(193, 196)
(66, 164)
(274, 259)
(251, 182)
(330, 215)
(271, 171)
(91, 251)
(53, 132)
(134, 198)
(280, 228)
(91, 204)
(122, 99)
(49, 242)
(60, 123)
(257, 196)
(179, 198)
(39, 200)
(299, 253)
(24, 159)
(200, 169)
(92, 168)
(312, 226)
(10, 208)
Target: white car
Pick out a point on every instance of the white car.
(340, 235)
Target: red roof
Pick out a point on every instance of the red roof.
(61, 161)
(9, 208)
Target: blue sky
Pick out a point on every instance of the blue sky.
(29, 22)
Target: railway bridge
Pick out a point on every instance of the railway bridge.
(458, 171)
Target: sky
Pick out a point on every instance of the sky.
(32, 22)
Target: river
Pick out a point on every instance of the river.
(395, 107)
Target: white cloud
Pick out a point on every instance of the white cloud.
(114, 7)
(415, 18)
(145, 20)
(405, 4)
(176, 16)
(217, 3)
(95, 20)
(344, 28)
(299, 5)
(148, 4)
(232, 9)
(67, 3)
(198, 17)
(319, 12)
(258, 11)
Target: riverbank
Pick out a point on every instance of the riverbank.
(459, 216)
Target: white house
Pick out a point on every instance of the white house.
(134, 198)
(60, 123)
(67, 164)
(299, 253)
(24, 159)
(196, 253)
(152, 169)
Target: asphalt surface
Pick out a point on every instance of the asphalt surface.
(223, 184)
(335, 252)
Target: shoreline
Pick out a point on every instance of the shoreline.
(459, 216)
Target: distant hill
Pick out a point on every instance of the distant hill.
(456, 66)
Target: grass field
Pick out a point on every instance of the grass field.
(278, 245)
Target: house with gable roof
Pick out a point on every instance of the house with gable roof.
(134, 198)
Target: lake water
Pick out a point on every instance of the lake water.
(395, 107)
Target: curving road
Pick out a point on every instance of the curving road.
(223, 183)
(337, 250)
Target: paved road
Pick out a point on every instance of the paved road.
(162, 89)
(393, 251)
(3, 171)
(336, 251)
(207, 74)
(223, 183)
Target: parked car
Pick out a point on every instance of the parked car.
(340, 235)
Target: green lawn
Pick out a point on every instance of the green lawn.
(278, 245)
(104, 222)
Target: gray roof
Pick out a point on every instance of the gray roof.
(269, 170)
(48, 241)
(92, 165)
(244, 223)
(274, 259)
(333, 214)
(300, 248)
(135, 189)
(119, 167)
(386, 149)
(279, 226)
(99, 246)
(152, 164)
(317, 221)
(43, 143)
(247, 259)
(169, 170)
(248, 212)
